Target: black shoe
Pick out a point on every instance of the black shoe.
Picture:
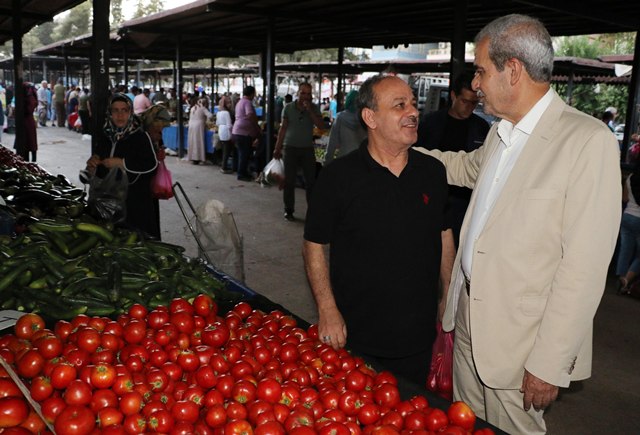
(245, 179)
(289, 217)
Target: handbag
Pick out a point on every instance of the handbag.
(161, 183)
(108, 195)
(440, 379)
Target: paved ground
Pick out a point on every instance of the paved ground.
(607, 403)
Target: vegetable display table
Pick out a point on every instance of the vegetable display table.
(170, 138)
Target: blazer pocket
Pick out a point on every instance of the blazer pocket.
(542, 194)
(533, 305)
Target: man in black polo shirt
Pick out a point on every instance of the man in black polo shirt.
(382, 211)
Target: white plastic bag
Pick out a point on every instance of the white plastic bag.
(274, 172)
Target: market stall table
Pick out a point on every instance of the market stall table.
(170, 138)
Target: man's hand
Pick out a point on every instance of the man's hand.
(537, 392)
(332, 329)
(277, 153)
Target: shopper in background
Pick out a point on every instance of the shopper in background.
(224, 124)
(30, 134)
(84, 110)
(455, 128)
(198, 116)
(381, 209)
(295, 140)
(245, 132)
(537, 238)
(347, 133)
(58, 100)
(125, 145)
(42, 104)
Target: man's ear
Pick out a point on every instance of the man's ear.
(517, 70)
(369, 118)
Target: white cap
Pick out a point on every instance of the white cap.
(612, 110)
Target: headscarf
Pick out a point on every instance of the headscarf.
(114, 133)
(350, 101)
(156, 114)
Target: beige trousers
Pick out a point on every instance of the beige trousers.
(502, 408)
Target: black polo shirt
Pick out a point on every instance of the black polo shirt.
(385, 248)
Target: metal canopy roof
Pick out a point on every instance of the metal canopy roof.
(32, 13)
(216, 28)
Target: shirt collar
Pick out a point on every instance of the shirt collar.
(371, 163)
(528, 122)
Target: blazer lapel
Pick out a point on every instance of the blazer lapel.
(540, 137)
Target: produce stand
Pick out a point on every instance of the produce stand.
(170, 138)
(50, 264)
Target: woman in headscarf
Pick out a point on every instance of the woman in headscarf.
(125, 145)
(198, 116)
(346, 132)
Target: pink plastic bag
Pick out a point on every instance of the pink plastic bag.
(161, 183)
(440, 379)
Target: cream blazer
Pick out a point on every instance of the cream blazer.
(540, 263)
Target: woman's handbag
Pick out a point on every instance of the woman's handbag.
(161, 183)
(440, 379)
(108, 195)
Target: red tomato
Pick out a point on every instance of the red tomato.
(269, 428)
(206, 377)
(88, 339)
(103, 376)
(62, 375)
(137, 311)
(131, 403)
(216, 416)
(161, 421)
(453, 430)
(13, 411)
(134, 331)
(460, 414)
(387, 395)
(157, 319)
(485, 431)
(243, 391)
(419, 402)
(369, 413)
(109, 416)
(40, 388)
(269, 390)
(185, 410)
(415, 420)
(392, 418)
(216, 335)
(49, 346)
(204, 305)
(183, 321)
(27, 325)
(238, 427)
(9, 389)
(33, 423)
(188, 360)
(30, 364)
(75, 420)
(436, 419)
(52, 407)
(135, 423)
(179, 304)
(105, 398)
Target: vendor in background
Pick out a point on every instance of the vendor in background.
(381, 209)
(224, 124)
(246, 132)
(198, 116)
(30, 134)
(296, 138)
(347, 133)
(125, 145)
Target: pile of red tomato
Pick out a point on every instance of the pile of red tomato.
(185, 369)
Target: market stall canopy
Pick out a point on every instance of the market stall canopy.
(32, 13)
(214, 28)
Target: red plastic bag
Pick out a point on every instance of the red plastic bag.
(162, 182)
(440, 379)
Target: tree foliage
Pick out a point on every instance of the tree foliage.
(148, 7)
(595, 98)
(76, 23)
(116, 14)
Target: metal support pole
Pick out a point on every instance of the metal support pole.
(179, 87)
(270, 69)
(99, 69)
(458, 40)
(18, 74)
(340, 89)
(633, 103)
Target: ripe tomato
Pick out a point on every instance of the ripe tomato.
(269, 390)
(13, 411)
(160, 421)
(236, 411)
(243, 391)
(204, 305)
(131, 403)
(460, 414)
(387, 395)
(88, 339)
(369, 413)
(49, 346)
(238, 427)
(52, 407)
(33, 423)
(75, 420)
(9, 389)
(185, 410)
(216, 416)
(137, 311)
(109, 416)
(183, 321)
(157, 319)
(134, 331)
(40, 388)
(188, 360)
(216, 335)
(27, 325)
(103, 376)
(62, 375)
(269, 428)
(30, 364)
(436, 419)
(104, 398)
(135, 424)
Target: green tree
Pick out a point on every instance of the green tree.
(148, 7)
(594, 98)
(77, 22)
(116, 14)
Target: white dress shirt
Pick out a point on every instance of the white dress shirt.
(513, 139)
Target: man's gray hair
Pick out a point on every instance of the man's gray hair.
(366, 96)
(521, 37)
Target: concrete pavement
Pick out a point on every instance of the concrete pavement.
(606, 403)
